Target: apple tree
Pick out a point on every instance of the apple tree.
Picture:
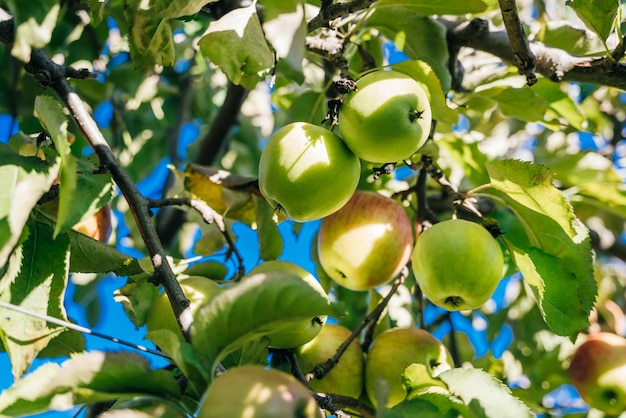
(376, 208)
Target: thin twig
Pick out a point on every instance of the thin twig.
(209, 216)
(523, 57)
(79, 328)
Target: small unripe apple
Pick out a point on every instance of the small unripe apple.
(307, 171)
(256, 392)
(398, 348)
(598, 371)
(387, 119)
(346, 377)
(197, 289)
(457, 264)
(365, 243)
(308, 329)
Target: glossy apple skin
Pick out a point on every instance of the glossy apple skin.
(387, 119)
(365, 243)
(396, 349)
(307, 172)
(346, 377)
(197, 289)
(598, 371)
(457, 264)
(256, 392)
(307, 330)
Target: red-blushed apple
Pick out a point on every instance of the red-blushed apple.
(307, 171)
(305, 331)
(387, 119)
(598, 371)
(346, 377)
(394, 350)
(256, 392)
(365, 243)
(457, 264)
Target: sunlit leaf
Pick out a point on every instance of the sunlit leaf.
(228, 194)
(237, 45)
(34, 22)
(259, 305)
(24, 182)
(39, 286)
(555, 256)
(484, 393)
(598, 15)
(86, 378)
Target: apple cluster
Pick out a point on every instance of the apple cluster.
(308, 172)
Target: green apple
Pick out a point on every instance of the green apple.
(365, 243)
(398, 348)
(257, 392)
(307, 330)
(387, 119)
(197, 289)
(307, 172)
(458, 264)
(346, 377)
(598, 371)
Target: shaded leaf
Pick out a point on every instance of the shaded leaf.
(258, 306)
(555, 256)
(435, 7)
(598, 15)
(421, 38)
(137, 297)
(151, 41)
(520, 103)
(39, 286)
(86, 378)
(484, 393)
(269, 237)
(237, 45)
(576, 41)
(429, 405)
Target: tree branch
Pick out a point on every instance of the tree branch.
(330, 11)
(49, 74)
(554, 64)
(523, 57)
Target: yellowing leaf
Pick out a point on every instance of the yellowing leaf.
(227, 194)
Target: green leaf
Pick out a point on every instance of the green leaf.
(24, 182)
(425, 76)
(151, 41)
(421, 38)
(259, 305)
(520, 103)
(598, 15)
(137, 297)
(39, 286)
(237, 45)
(430, 404)
(34, 22)
(270, 239)
(484, 393)
(560, 103)
(86, 378)
(435, 7)
(468, 157)
(168, 8)
(575, 40)
(555, 256)
(604, 196)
